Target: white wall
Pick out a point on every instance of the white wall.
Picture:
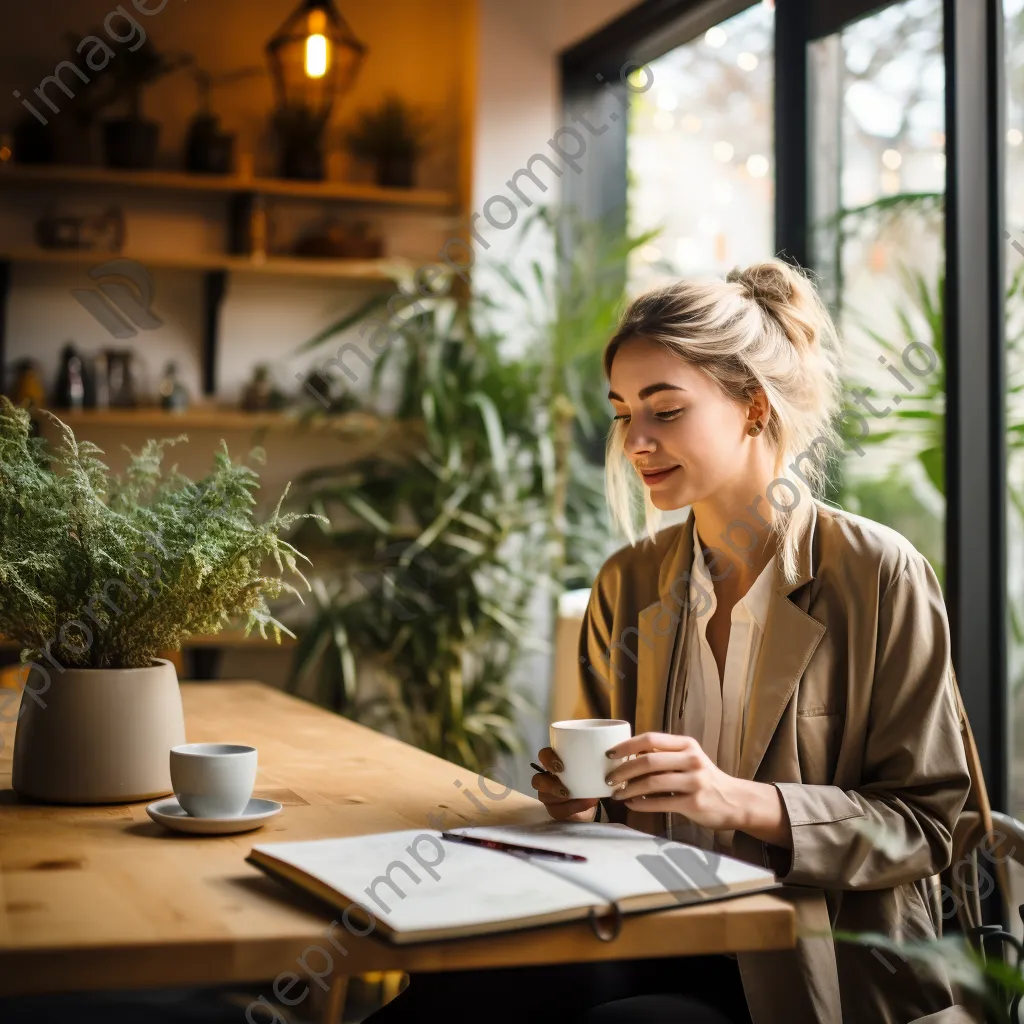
(518, 95)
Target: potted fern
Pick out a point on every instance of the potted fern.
(100, 574)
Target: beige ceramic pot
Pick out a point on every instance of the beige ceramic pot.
(99, 735)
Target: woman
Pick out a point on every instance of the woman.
(785, 665)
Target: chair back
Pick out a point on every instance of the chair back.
(975, 831)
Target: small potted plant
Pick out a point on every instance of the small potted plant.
(130, 142)
(102, 573)
(392, 137)
(209, 149)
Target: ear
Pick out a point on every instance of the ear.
(758, 409)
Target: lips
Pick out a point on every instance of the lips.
(655, 476)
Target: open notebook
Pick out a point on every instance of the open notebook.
(419, 886)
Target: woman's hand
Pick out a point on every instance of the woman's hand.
(672, 773)
(555, 796)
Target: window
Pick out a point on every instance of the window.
(848, 104)
(878, 175)
(699, 153)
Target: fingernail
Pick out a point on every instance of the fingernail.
(610, 781)
(564, 791)
(610, 753)
(558, 766)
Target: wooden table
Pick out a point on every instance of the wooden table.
(102, 897)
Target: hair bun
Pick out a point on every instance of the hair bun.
(765, 282)
(784, 293)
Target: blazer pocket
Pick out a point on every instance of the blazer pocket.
(818, 732)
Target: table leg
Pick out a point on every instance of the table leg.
(335, 1003)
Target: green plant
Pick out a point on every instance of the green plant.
(108, 571)
(498, 495)
(565, 283)
(989, 980)
(919, 422)
(920, 418)
(391, 131)
(436, 546)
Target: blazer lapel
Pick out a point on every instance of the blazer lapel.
(790, 638)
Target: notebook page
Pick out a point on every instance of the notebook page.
(418, 881)
(626, 865)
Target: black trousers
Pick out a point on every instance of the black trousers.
(683, 990)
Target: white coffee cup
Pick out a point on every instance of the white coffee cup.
(213, 780)
(581, 745)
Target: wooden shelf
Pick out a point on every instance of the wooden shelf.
(362, 271)
(168, 181)
(220, 418)
(215, 266)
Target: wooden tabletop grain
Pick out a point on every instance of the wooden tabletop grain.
(102, 897)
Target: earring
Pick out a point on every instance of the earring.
(756, 429)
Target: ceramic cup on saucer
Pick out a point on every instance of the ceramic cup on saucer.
(213, 780)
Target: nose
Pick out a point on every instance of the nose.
(637, 444)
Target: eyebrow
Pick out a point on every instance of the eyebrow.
(647, 391)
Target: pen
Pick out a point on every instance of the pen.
(514, 848)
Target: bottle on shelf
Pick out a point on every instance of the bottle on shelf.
(173, 396)
(71, 379)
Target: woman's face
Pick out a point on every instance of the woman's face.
(684, 437)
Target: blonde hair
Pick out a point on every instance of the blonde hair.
(761, 328)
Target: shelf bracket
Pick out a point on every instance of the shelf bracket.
(214, 287)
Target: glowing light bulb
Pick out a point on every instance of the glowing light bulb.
(747, 61)
(316, 56)
(317, 53)
(715, 36)
(1014, 137)
(892, 159)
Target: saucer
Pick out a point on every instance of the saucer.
(171, 814)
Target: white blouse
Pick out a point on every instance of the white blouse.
(712, 709)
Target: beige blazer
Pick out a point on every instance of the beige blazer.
(853, 715)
